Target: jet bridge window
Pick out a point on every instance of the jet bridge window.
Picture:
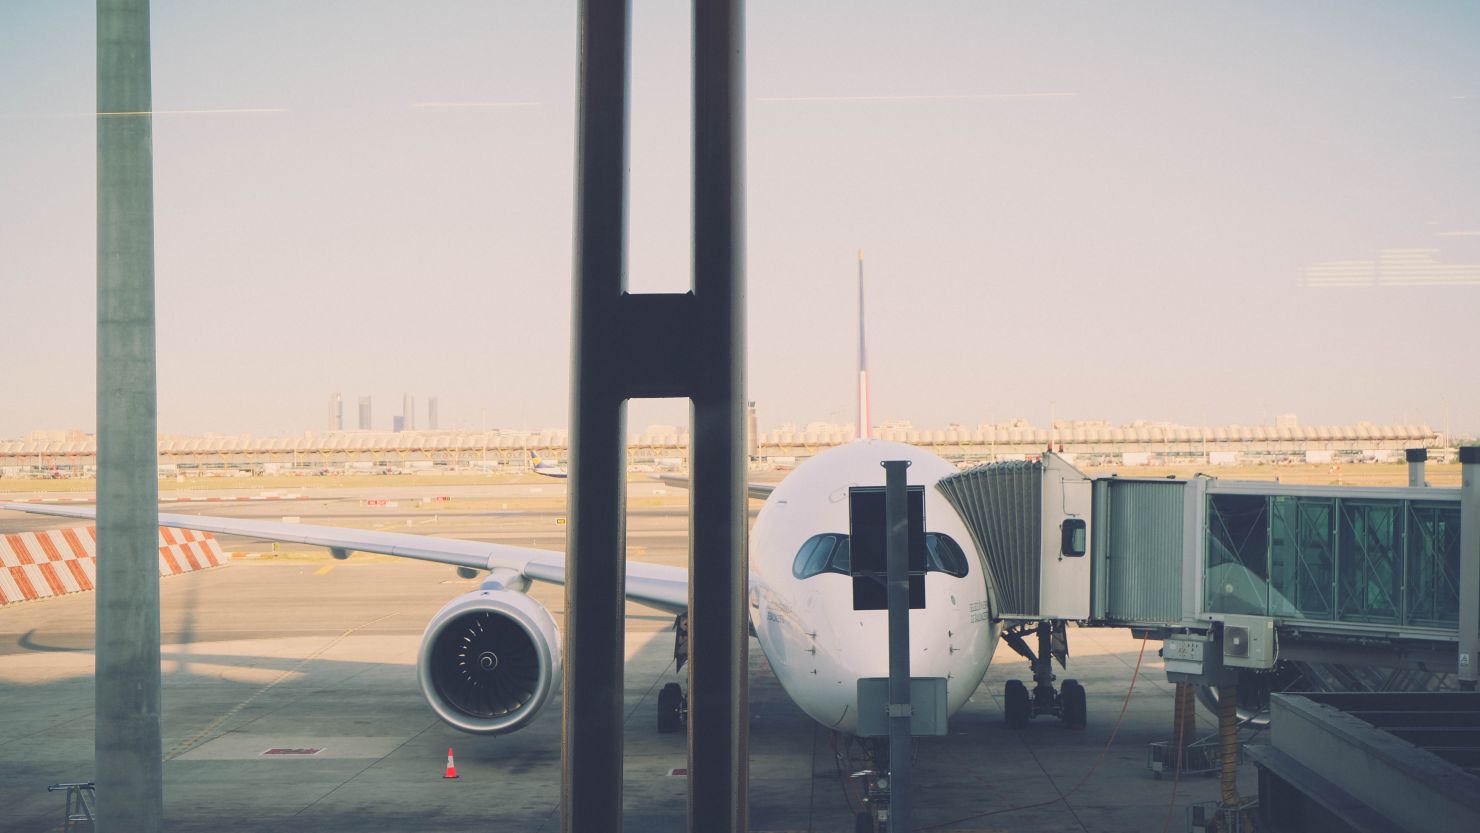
(1369, 561)
(1433, 565)
(1302, 556)
(1237, 577)
(830, 552)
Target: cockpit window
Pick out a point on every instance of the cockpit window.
(830, 552)
(945, 555)
(812, 558)
(842, 557)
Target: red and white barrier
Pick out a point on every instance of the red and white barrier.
(187, 550)
(213, 498)
(35, 565)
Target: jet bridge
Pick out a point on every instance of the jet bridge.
(1032, 521)
(1236, 576)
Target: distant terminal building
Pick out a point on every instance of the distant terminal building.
(365, 413)
(408, 448)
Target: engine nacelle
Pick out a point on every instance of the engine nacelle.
(489, 661)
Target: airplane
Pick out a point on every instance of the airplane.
(490, 659)
(539, 466)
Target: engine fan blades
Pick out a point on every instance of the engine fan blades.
(486, 665)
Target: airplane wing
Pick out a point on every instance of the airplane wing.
(652, 584)
(759, 491)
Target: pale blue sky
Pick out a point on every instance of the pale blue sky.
(1128, 248)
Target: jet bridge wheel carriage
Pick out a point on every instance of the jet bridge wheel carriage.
(673, 703)
(1068, 702)
(673, 709)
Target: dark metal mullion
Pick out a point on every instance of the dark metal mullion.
(1270, 579)
(1402, 557)
(718, 565)
(591, 754)
(1338, 516)
(622, 349)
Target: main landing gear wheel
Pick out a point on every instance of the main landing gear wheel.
(670, 709)
(1072, 700)
(1015, 703)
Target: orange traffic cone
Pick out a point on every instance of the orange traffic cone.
(451, 767)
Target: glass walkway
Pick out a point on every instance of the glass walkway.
(1349, 558)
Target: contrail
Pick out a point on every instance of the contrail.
(208, 111)
(983, 97)
(473, 104)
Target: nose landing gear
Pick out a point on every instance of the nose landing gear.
(873, 786)
(1068, 703)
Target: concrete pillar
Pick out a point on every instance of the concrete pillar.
(129, 770)
(1416, 458)
(1469, 567)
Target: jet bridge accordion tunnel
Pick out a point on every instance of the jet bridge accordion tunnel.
(1032, 523)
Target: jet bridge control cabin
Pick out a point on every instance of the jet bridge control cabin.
(1236, 576)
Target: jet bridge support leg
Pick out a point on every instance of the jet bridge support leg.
(1184, 722)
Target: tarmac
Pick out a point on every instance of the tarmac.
(302, 652)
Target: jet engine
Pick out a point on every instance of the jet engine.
(489, 661)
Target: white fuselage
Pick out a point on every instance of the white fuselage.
(818, 645)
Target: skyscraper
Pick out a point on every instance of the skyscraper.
(336, 412)
(752, 432)
(364, 413)
(431, 413)
(408, 413)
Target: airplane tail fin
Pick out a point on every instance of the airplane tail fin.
(863, 430)
(540, 466)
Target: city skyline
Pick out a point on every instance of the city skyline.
(1285, 421)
